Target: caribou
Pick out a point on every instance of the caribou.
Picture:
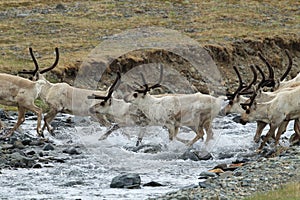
(122, 113)
(282, 108)
(172, 111)
(276, 85)
(61, 97)
(21, 92)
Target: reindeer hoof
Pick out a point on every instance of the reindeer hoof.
(52, 132)
(40, 134)
(103, 137)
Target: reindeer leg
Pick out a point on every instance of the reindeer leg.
(173, 130)
(295, 137)
(21, 119)
(269, 134)
(259, 129)
(110, 130)
(38, 111)
(281, 130)
(140, 137)
(199, 135)
(176, 130)
(1, 125)
(209, 132)
(47, 120)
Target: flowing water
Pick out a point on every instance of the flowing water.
(88, 175)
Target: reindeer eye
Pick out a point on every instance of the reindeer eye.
(248, 111)
(231, 102)
(135, 95)
(102, 103)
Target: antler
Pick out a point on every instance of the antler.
(244, 91)
(270, 82)
(289, 66)
(240, 87)
(54, 64)
(146, 86)
(113, 87)
(245, 106)
(33, 72)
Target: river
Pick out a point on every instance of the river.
(88, 175)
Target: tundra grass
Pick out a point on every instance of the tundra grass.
(289, 191)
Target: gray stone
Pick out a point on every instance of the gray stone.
(153, 184)
(208, 174)
(48, 147)
(72, 151)
(130, 181)
(196, 155)
(18, 144)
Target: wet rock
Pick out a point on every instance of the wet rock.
(18, 160)
(130, 181)
(30, 153)
(72, 151)
(196, 155)
(204, 184)
(48, 147)
(153, 184)
(6, 146)
(37, 143)
(37, 166)
(206, 174)
(241, 160)
(26, 141)
(18, 144)
(73, 183)
(224, 155)
(146, 148)
(226, 174)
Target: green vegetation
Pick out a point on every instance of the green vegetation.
(289, 191)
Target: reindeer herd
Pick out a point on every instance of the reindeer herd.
(268, 102)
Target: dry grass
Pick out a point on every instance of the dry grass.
(289, 191)
(83, 24)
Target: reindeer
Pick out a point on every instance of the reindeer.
(282, 108)
(236, 99)
(21, 92)
(172, 111)
(122, 113)
(61, 97)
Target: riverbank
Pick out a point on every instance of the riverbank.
(259, 176)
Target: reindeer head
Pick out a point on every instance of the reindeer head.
(236, 99)
(143, 89)
(36, 73)
(105, 100)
